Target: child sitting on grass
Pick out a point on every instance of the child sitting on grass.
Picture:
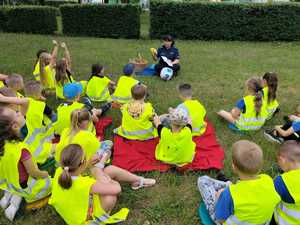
(19, 172)
(250, 112)
(287, 184)
(251, 200)
(270, 83)
(78, 133)
(38, 121)
(122, 93)
(176, 145)
(289, 131)
(137, 117)
(193, 108)
(82, 199)
(98, 85)
(72, 92)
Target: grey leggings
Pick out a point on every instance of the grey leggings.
(208, 188)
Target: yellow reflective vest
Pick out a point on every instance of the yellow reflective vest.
(196, 111)
(73, 204)
(254, 201)
(36, 188)
(175, 148)
(248, 120)
(86, 139)
(40, 131)
(140, 128)
(64, 112)
(271, 106)
(49, 73)
(97, 89)
(59, 89)
(287, 213)
(122, 93)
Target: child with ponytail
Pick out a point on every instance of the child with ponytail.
(78, 133)
(250, 112)
(19, 173)
(270, 83)
(81, 199)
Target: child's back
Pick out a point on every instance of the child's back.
(270, 82)
(139, 127)
(197, 113)
(137, 117)
(97, 89)
(287, 184)
(175, 148)
(253, 200)
(122, 93)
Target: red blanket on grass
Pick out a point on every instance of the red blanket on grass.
(139, 156)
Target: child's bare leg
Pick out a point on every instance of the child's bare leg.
(119, 174)
(227, 116)
(108, 202)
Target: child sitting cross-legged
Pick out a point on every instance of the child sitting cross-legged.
(176, 145)
(137, 117)
(287, 184)
(122, 92)
(251, 200)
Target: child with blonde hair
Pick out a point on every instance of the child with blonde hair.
(176, 145)
(251, 200)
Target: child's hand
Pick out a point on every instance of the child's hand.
(278, 127)
(93, 160)
(219, 193)
(63, 45)
(156, 120)
(54, 42)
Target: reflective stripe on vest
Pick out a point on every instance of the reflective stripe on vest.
(121, 98)
(28, 190)
(279, 219)
(135, 133)
(100, 98)
(36, 132)
(233, 220)
(289, 212)
(39, 149)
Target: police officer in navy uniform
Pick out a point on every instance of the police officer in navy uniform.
(170, 52)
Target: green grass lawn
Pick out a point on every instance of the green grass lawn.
(217, 71)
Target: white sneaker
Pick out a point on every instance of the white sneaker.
(4, 202)
(12, 209)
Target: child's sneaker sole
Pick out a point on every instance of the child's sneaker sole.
(271, 138)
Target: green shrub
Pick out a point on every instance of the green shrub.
(225, 21)
(117, 21)
(57, 3)
(31, 19)
(3, 18)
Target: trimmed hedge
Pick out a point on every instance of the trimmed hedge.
(29, 19)
(116, 21)
(57, 3)
(225, 21)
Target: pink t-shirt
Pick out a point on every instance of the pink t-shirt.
(23, 175)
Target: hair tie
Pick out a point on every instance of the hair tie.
(66, 168)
